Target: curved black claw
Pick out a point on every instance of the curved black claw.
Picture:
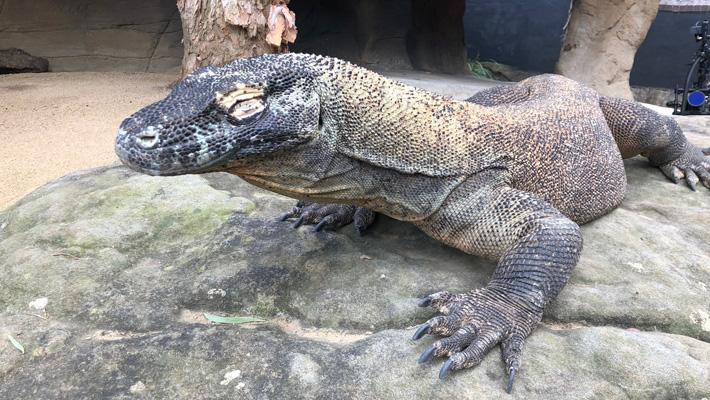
(510, 381)
(425, 302)
(675, 180)
(446, 368)
(320, 225)
(423, 330)
(427, 355)
(298, 222)
(360, 232)
(692, 185)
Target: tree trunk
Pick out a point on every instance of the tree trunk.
(216, 32)
(602, 40)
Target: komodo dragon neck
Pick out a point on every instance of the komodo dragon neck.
(369, 119)
(392, 125)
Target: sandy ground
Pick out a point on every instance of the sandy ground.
(55, 123)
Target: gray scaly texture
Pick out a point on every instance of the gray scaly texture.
(506, 175)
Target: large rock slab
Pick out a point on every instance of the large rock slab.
(128, 263)
(15, 61)
(268, 362)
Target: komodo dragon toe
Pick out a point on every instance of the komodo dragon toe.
(692, 164)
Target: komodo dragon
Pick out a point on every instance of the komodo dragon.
(507, 175)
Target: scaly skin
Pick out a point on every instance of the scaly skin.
(506, 175)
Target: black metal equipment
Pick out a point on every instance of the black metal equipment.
(694, 95)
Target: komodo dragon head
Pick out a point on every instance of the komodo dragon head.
(217, 115)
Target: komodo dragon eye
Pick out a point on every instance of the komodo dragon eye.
(243, 103)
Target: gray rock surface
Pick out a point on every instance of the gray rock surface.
(15, 61)
(128, 263)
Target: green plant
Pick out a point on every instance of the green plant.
(479, 70)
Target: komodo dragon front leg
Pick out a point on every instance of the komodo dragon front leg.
(536, 248)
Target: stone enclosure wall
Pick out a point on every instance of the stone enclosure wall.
(145, 35)
(663, 58)
(529, 36)
(400, 34)
(524, 34)
(97, 35)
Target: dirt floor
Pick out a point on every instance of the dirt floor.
(55, 123)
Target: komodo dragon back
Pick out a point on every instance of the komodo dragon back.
(506, 175)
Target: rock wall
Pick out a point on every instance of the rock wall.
(601, 42)
(136, 35)
(101, 35)
(399, 34)
(435, 40)
(524, 34)
(362, 31)
(655, 96)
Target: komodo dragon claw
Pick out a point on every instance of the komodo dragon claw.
(446, 368)
(510, 381)
(423, 330)
(425, 302)
(427, 355)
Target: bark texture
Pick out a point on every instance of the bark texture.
(602, 40)
(216, 32)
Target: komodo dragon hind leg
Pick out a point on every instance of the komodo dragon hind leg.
(330, 216)
(639, 130)
(537, 248)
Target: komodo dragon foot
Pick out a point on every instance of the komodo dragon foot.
(475, 322)
(330, 216)
(692, 164)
